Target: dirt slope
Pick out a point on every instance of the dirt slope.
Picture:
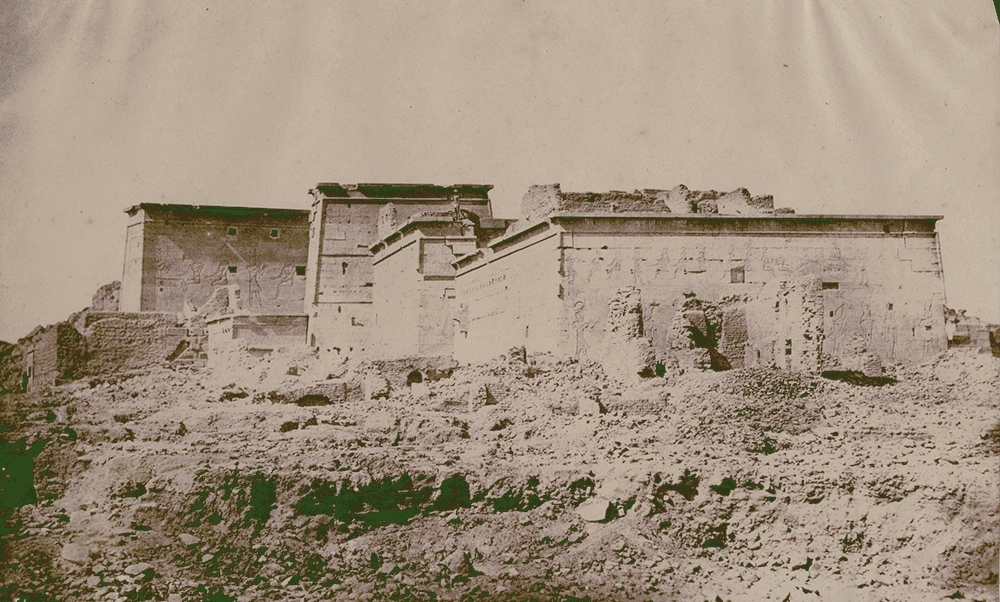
(732, 486)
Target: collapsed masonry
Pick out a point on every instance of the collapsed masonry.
(645, 282)
(99, 341)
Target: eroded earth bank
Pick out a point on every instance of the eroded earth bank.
(524, 478)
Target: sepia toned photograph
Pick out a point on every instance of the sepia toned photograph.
(552, 301)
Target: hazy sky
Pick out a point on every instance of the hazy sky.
(832, 107)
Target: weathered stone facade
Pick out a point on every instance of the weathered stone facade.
(345, 222)
(180, 257)
(414, 292)
(797, 292)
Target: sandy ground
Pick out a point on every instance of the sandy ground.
(739, 485)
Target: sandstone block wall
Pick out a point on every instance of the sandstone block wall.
(177, 257)
(123, 342)
(414, 293)
(512, 295)
(792, 292)
(270, 332)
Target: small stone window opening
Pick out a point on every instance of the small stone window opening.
(312, 340)
(275, 233)
(526, 332)
(889, 307)
(414, 377)
(737, 275)
(830, 286)
(788, 346)
(343, 268)
(300, 270)
(232, 269)
(831, 314)
(231, 232)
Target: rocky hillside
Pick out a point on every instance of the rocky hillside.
(520, 479)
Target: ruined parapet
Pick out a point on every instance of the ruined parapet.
(628, 354)
(545, 200)
(106, 297)
(682, 200)
(539, 202)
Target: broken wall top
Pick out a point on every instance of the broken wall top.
(544, 200)
(380, 192)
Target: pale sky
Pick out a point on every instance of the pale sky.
(832, 107)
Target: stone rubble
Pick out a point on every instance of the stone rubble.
(521, 477)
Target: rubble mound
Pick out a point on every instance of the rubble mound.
(292, 477)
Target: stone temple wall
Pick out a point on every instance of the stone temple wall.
(797, 293)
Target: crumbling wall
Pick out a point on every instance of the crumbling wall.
(628, 354)
(11, 368)
(41, 351)
(124, 342)
(96, 343)
(107, 297)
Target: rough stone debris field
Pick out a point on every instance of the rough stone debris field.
(520, 478)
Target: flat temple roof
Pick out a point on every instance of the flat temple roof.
(403, 191)
(220, 210)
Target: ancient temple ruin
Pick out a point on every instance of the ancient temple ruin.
(646, 282)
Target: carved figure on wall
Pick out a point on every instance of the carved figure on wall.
(662, 264)
(254, 273)
(579, 328)
(192, 290)
(284, 278)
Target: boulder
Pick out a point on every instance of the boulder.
(188, 539)
(590, 407)
(376, 386)
(75, 553)
(139, 567)
(595, 510)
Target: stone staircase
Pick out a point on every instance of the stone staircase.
(193, 354)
